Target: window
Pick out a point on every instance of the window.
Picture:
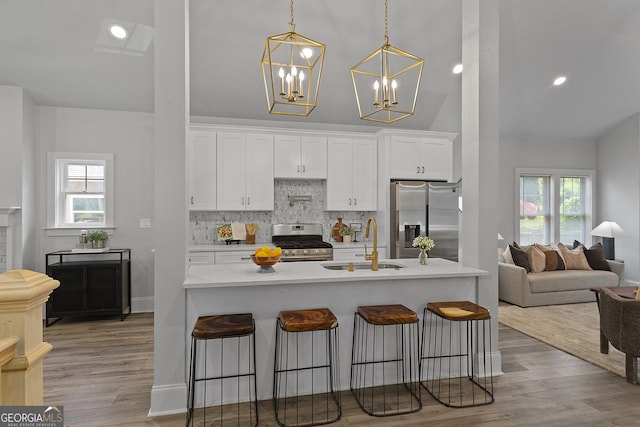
(80, 192)
(554, 205)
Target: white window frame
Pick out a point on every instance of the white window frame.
(554, 199)
(56, 161)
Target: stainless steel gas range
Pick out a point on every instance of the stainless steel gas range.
(301, 242)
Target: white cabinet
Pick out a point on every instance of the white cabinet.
(352, 174)
(201, 169)
(245, 172)
(356, 254)
(234, 257)
(421, 158)
(300, 156)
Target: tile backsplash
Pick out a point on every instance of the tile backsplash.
(203, 224)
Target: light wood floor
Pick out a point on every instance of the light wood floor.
(102, 372)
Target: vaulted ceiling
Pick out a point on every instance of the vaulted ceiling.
(49, 48)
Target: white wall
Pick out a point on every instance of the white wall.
(531, 152)
(618, 189)
(11, 143)
(130, 137)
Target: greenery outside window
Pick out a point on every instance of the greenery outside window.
(554, 205)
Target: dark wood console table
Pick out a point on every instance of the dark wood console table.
(91, 283)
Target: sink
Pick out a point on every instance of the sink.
(363, 266)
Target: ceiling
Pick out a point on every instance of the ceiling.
(49, 48)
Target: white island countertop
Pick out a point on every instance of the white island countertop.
(246, 274)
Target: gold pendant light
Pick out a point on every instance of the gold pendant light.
(292, 68)
(387, 81)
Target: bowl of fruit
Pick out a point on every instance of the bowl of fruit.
(266, 257)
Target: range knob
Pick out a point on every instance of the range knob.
(304, 251)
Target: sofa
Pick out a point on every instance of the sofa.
(527, 289)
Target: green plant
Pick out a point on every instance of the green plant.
(97, 235)
(346, 231)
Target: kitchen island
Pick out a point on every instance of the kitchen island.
(239, 288)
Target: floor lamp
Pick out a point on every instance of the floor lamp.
(608, 230)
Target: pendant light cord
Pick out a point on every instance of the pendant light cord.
(292, 26)
(386, 21)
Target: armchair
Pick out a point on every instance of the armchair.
(620, 326)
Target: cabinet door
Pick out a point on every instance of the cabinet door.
(404, 161)
(339, 174)
(201, 170)
(365, 176)
(287, 158)
(259, 180)
(69, 296)
(314, 157)
(231, 167)
(437, 159)
(102, 287)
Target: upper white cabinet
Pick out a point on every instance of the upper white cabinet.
(300, 156)
(201, 169)
(352, 174)
(245, 171)
(421, 158)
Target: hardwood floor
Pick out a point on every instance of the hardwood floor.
(102, 372)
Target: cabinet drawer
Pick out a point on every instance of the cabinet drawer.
(355, 254)
(201, 258)
(233, 257)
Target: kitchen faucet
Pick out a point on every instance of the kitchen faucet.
(373, 256)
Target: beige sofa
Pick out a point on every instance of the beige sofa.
(516, 286)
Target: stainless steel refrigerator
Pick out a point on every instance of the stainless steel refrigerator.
(425, 208)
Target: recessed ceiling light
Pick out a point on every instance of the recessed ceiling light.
(118, 31)
(559, 80)
(457, 69)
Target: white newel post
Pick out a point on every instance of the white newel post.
(22, 293)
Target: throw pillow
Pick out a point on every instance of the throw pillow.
(507, 255)
(595, 256)
(553, 260)
(519, 257)
(574, 259)
(536, 258)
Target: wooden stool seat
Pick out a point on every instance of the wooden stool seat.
(392, 314)
(308, 320)
(223, 326)
(458, 310)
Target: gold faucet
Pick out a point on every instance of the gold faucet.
(373, 256)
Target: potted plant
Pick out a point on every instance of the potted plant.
(346, 232)
(98, 238)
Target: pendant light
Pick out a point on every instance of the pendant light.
(386, 82)
(292, 68)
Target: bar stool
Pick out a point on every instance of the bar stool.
(457, 372)
(306, 368)
(384, 360)
(236, 369)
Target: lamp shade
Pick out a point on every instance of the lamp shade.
(608, 229)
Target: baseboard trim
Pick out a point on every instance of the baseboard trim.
(142, 305)
(168, 400)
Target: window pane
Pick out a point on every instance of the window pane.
(85, 209)
(572, 209)
(534, 209)
(85, 178)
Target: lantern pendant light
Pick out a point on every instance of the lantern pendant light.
(387, 81)
(292, 69)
